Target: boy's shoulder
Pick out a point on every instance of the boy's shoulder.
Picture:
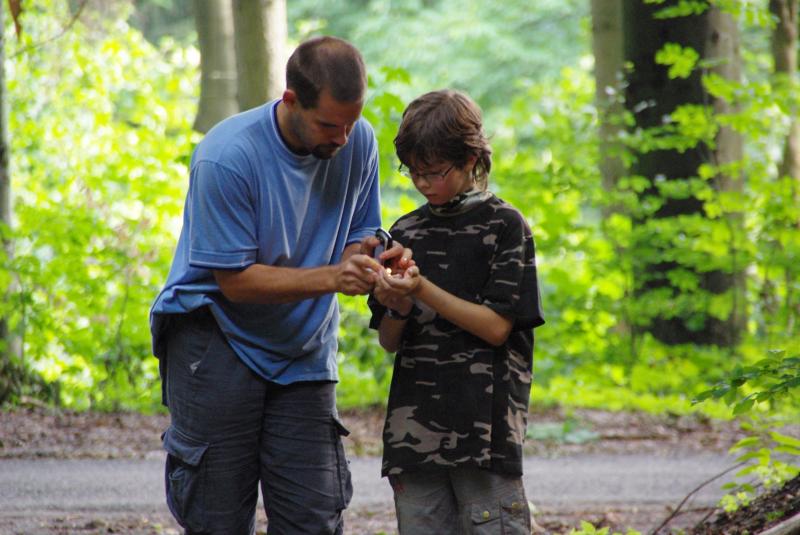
(411, 218)
(506, 211)
(500, 210)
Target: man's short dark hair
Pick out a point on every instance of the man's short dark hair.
(326, 63)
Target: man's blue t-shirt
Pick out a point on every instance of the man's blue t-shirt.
(252, 200)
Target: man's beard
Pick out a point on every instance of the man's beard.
(325, 152)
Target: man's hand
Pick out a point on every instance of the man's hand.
(357, 274)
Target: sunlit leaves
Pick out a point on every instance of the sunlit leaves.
(99, 136)
(680, 59)
(683, 8)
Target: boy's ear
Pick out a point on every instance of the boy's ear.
(471, 161)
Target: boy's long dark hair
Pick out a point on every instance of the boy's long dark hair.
(444, 126)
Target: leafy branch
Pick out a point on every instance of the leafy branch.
(64, 30)
(772, 378)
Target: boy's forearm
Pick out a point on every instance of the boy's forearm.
(476, 319)
(390, 332)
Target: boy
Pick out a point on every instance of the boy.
(461, 321)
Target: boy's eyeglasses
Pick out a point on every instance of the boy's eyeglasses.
(430, 178)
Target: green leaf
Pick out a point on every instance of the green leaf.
(681, 60)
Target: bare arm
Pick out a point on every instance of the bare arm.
(390, 332)
(479, 320)
(259, 283)
(395, 293)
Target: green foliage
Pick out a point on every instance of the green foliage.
(100, 134)
(100, 130)
(771, 457)
(775, 379)
(587, 528)
(570, 431)
(364, 367)
(485, 48)
(683, 8)
(680, 59)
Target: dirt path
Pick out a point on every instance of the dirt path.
(43, 433)
(608, 445)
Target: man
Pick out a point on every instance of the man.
(282, 205)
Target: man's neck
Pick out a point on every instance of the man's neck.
(284, 132)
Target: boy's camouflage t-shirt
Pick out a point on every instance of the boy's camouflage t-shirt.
(456, 400)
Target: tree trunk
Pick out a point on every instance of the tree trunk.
(722, 49)
(5, 189)
(608, 50)
(214, 22)
(260, 38)
(10, 344)
(651, 95)
(784, 53)
(607, 46)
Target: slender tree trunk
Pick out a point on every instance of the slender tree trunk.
(260, 39)
(722, 49)
(5, 177)
(784, 43)
(214, 22)
(607, 46)
(608, 50)
(10, 372)
(784, 53)
(652, 95)
(5, 186)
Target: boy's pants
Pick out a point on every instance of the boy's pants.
(460, 501)
(231, 429)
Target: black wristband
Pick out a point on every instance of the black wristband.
(395, 315)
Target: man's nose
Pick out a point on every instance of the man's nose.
(341, 136)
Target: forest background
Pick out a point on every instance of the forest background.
(659, 175)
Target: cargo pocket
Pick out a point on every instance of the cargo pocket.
(183, 478)
(509, 516)
(342, 465)
(486, 519)
(516, 515)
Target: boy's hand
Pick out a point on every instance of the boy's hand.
(401, 284)
(394, 291)
(402, 305)
(397, 258)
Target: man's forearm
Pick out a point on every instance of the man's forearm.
(263, 284)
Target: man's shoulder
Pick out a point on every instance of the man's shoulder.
(363, 134)
(234, 137)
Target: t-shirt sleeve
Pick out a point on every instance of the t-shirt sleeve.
(512, 289)
(222, 234)
(367, 216)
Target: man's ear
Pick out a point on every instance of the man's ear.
(290, 98)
